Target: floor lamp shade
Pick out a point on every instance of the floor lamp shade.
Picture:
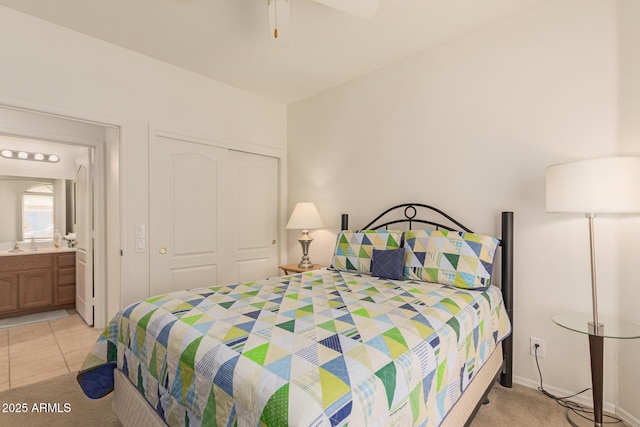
(604, 185)
(305, 217)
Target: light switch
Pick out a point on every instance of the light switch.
(140, 231)
(140, 245)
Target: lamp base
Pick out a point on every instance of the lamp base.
(305, 240)
(305, 263)
(586, 420)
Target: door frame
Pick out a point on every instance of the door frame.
(107, 206)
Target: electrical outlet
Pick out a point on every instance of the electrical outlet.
(540, 343)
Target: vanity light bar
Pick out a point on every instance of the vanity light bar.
(24, 155)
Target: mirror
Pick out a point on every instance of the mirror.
(12, 191)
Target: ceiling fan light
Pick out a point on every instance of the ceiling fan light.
(6, 153)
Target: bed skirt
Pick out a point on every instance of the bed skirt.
(133, 411)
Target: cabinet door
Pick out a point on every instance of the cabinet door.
(8, 292)
(35, 289)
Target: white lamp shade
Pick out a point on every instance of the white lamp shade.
(604, 185)
(305, 216)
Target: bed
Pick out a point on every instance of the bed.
(380, 338)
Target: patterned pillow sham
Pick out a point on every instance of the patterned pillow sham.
(354, 249)
(464, 260)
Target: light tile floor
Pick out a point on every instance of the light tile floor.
(43, 350)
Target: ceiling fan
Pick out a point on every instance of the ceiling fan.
(279, 15)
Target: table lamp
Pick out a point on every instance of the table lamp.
(304, 217)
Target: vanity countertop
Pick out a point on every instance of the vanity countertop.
(39, 251)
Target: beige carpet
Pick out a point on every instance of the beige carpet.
(519, 406)
(62, 390)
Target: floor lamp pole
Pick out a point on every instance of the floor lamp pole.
(596, 338)
(595, 327)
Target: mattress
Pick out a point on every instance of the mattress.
(317, 348)
(133, 411)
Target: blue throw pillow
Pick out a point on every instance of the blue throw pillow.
(388, 264)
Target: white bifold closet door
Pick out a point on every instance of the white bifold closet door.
(213, 215)
(254, 223)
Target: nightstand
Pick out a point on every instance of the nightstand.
(613, 328)
(293, 268)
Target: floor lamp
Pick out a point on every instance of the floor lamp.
(603, 185)
(305, 217)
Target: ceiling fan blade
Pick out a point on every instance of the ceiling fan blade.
(359, 8)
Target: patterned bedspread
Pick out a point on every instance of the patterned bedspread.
(322, 348)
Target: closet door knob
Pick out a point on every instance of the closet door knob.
(163, 251)
(273, 242)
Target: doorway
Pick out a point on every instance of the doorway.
(103, 140)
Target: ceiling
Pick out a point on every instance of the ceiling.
(228, 40)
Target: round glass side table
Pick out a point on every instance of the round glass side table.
(608, 327)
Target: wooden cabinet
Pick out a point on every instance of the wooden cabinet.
(35, 289)
(8, 292)
(37, 282)
(65, 290)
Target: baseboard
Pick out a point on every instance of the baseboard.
(583, 399)
(628, 418)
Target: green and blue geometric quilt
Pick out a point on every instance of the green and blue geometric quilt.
(319, 348)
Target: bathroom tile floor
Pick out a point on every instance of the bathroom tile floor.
(43, 350)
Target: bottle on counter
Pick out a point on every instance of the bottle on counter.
(34, 246)
(57, 237)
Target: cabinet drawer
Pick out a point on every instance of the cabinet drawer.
(67, 277)
(25, 262)
(66, 260)
(66, 295)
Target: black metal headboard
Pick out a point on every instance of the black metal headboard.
(410, 212)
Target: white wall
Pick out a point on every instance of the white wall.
(50, 68)
(469, 127)
(629, 231)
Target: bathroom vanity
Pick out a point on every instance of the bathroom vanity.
(31, 282)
